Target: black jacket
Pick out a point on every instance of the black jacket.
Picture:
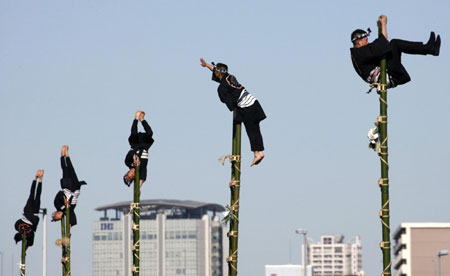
(366, 58)
(229, 91)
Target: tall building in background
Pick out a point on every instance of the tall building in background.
(416, 247)
(178, 238)
(334, 257)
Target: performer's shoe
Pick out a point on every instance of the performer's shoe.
(259, 156)
(431, 41)
(437, 46)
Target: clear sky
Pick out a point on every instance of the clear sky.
(74, 72)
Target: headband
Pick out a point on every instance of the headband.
(362, 35)
(223, 71)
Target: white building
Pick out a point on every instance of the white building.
(334, 257)
(177, 238)
(416, 247)
(287, 270)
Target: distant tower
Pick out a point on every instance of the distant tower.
(178, 238)
(334, 257)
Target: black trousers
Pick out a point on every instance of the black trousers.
(254, 135)
(251, 117)
(69, 178)
(33, 203)
(394, 58)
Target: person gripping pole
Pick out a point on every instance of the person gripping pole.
(70, 189)
(366, 56)
(29, 222)
(248, 108)
(140, 143)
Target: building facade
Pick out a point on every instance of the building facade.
(287, 270)
(177, 238)
(334, 257)
(416, 248)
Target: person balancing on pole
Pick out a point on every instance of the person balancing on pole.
(248, 109)
(28, 224)
(140, 143)
(70, 189)
(366, 56)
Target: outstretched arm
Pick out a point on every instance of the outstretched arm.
(134, 126)
(382, 22)
(204, 64)
(147, 128)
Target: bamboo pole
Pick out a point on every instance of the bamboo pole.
(68, 272)
(385, 245)
(63, 248)
(234, 207)
(136, 223)
(24, 254)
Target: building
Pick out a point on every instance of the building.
(416, 247)
(334, 257)
(176, 238)
(287, 270)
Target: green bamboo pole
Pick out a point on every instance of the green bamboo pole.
(68, 272)
(234, 207)
(63, 248)
(24, 254)
(384, 180)
(136, 223)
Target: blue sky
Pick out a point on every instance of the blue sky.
(75, 72)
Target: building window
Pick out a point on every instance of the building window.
(327, 240)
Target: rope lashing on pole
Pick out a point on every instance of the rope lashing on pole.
(136, 246)
(387, 270)
(383, 182)
(384, 213)
(232, 260)
(233, 212)
(22, 269)
(234, 183)
(233, 159)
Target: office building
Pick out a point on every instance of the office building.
(416, 247)
(176, 238)
(287, 270)
(334, 257)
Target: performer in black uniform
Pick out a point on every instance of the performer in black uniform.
(70, 189)
(248, 109)
(366, 56)
(28, 224)
(140, 143)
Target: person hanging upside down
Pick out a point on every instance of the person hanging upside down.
(366, 56)
(140, 143)
(70, 189)
(248, 109)
(28, 224)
